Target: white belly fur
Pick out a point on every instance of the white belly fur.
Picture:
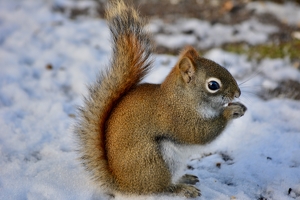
(176, 157)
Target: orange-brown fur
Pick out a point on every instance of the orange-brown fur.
(124, 124)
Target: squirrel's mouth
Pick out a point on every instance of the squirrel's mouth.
(227, 101)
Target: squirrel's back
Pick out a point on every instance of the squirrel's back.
(129, 64)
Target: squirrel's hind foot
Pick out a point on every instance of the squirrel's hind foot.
(188, 191)
(189, 179)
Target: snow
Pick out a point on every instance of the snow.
(207, 35)
(46, 60)
(288, 13)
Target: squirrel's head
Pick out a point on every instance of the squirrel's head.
(205, 81)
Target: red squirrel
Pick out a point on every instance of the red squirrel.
(129, 133)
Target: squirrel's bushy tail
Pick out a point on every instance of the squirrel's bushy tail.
(129, 64)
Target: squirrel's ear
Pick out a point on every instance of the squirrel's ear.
(187, 69)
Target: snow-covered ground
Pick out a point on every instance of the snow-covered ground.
(251, 31)
(46, 60)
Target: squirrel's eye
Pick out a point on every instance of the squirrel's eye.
(213, 85)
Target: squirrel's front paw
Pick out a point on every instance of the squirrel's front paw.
(234, 110)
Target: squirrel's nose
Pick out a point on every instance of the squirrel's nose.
(237, 94)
